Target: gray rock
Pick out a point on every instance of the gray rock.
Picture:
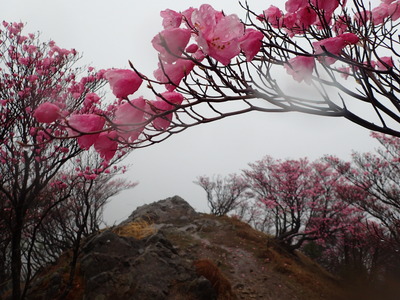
(170, 210)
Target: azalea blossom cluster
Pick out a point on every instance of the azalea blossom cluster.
(196, 33)
(212, 57)
(38, 80)
(218, 36)
(215, 42)
(303, 17)
(122, 122)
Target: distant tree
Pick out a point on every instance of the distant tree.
(357, 255)
(252, 212)
(223, 194)
(378, 177)
(373, 186)
(299, 200)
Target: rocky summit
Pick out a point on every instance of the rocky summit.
(166, 250)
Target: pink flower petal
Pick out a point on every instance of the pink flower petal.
(123, 82)
(380, 13)
(171, 18)
(161, 123)
(217, 34)
(394, 10)
(301, 68)
(130, 115)
(294, 5)
(172, 74)
(384, 63)
(161, 105)
(251, 43)
(334, 45)
(86, 123)
(47, 112)
(273, 15)
(171, 43)
(106, 145)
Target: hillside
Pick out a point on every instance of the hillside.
(166, 250)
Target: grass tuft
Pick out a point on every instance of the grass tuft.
(137, 229)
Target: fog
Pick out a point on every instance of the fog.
(109, 33)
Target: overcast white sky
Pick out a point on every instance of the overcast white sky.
(109, 33)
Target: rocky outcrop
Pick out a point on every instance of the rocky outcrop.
(123, 267)
(116, 267)
(171, 210)
(120, 267)
(166, 250)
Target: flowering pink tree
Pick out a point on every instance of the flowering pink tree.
(342, 57)
(43, 100)
(68, 209)
(299, 200)
(376, 176)
(50, 113)
(75, 202)
(356, 255)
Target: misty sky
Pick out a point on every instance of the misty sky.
(109, 33)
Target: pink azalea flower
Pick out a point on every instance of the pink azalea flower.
(273, 15)
(384, 63)
(301, 68)
(344, 72)
(123, 82)
(86, 123)
(334, 45)
(251, 43)
(24, 61)
(47, 112)
(172, 74)
(340, 25)
(305, 17)
(327, 6)
(289, 20)
(130, 115)
(161, 105)
(362, 17)
(394, 10)
(297, 22)
(349, 38)
(173, 98)
(106, 145)
(217, 34)
(294, 5)
(380, 13)
(171, 18)
(171, 43)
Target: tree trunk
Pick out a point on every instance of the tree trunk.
(16, 263)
